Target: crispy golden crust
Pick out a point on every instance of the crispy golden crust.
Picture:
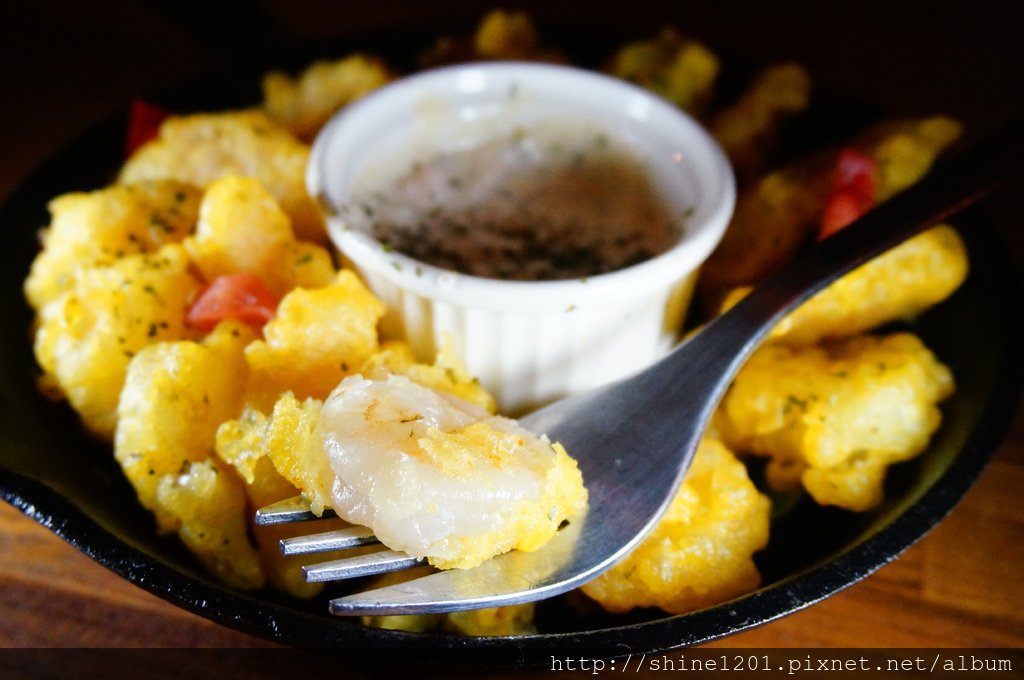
(205, 147)
(175, 396)
(318, 337)
(835, 416)
(700, 553)
(96, 229)
(899, 284)
(241, 228)
(88, 334)
(303, 104)
(679, 69)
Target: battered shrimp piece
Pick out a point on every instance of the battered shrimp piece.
(700, 553)
(749, 129)
(446, 374)
(439, 478)
(303, 104)
(175, 396)
(89, 334)
(835, 417)
(500, 35)
(318, 337)
(210, 504)
(243, 230)
(204, 147)
(905, 281)
(682, 71)
(244, 444)
(96, 228)
(506, 35)
(431, 474)
(287, 436)
(905, 149)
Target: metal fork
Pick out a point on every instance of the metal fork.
(634, 439)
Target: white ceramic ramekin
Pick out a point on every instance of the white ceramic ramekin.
(527, 342)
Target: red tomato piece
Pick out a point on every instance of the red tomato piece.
(235, 296)
(840, 210)
(854, 169)
(852, 194)
(144, 122)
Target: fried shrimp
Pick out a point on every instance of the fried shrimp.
(440, 478)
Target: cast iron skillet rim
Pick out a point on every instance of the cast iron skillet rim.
(282, 624)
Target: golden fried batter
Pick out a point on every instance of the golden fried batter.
(700, 552)
(835, 416)
(204, 147)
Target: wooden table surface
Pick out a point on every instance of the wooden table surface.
(960, 586)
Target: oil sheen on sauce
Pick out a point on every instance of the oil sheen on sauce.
(552, 203)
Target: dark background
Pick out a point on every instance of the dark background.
(68, 64)
(65, 64)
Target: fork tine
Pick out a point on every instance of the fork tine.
(511, 578)
(295, 509)
(361, 565)
(349, 537)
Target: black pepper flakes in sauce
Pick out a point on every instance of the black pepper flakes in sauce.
(533, 206)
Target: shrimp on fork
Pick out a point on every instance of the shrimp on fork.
(439, 478)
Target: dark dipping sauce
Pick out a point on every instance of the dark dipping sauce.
(548, 204)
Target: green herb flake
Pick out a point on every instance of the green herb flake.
(794, 402)
(158, 221)
(148, 288)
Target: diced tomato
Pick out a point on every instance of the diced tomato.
(235, 296)
(852, 194)
(144, 122)
(854, 169)
(840, 210)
